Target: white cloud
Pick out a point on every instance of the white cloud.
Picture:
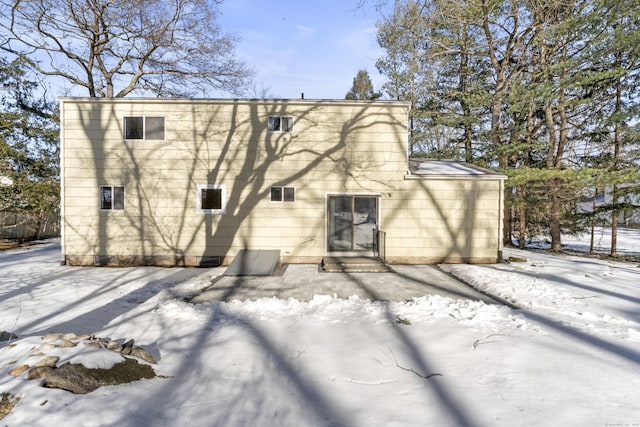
(304, 32)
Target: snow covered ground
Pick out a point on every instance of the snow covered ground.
(570, 357)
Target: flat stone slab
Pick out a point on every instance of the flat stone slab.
(304, 281)
(254, 262)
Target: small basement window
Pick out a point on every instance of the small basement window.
(144, 128)
(283, 194)
(210, 198)
(280, 124)
(111, 198)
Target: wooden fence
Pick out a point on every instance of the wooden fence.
(21, 227)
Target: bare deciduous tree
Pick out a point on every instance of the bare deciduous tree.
(115, 47)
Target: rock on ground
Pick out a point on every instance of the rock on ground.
(79, 379)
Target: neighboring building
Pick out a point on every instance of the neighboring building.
(629, 217)
(194, 181)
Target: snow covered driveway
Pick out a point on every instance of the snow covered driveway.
(571, 357)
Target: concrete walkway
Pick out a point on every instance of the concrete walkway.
(303, 281)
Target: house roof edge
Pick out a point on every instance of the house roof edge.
(449, 169)
(79, 99)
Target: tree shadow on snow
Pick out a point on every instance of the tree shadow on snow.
(570, 332)
(248, 393)
(421, 364)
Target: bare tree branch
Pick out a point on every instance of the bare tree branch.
(114, 48)
(392, 356)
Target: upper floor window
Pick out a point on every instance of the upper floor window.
(111, 198)
(280, 124)
(283, 194)
(146, 128)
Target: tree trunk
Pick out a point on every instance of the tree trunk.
(508, 219)
(557, 143)
(41, 225)
(523, 227)
(614, 231)
(463, 76)
(593, 221)
(616, 156)
(468, 129)
(554, 183)
(556, 213)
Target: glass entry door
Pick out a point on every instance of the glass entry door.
(352, 221)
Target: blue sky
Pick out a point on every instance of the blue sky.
(315, 47)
